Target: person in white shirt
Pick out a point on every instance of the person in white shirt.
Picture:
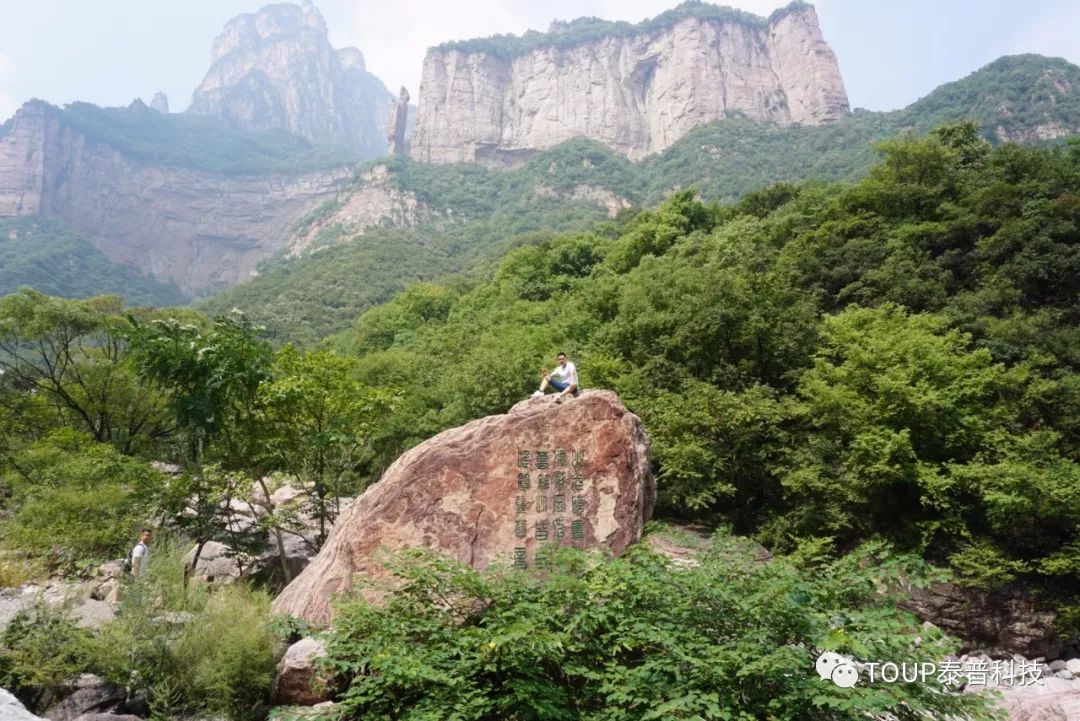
(140, 554)
(564, 379)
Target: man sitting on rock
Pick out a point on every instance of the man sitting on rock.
(563, 379)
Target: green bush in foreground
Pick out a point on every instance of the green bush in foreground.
(634, 638)
(189, 648)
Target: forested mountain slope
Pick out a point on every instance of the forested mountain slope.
(455, 214)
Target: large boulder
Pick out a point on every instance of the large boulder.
(494, 491)
(296, 684)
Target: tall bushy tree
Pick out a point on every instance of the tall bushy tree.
(73, 356)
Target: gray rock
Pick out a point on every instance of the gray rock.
(217, 563)
(1065, 674)
(108, 717)
(11, 709)
(1058, 665)
(90, 694)
(1073, 664)
(92, 613)
(1000, 624)
(276, 68)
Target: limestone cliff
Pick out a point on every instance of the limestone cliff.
(276, 69)
(375, 199)
(203, 230)
(635, 88)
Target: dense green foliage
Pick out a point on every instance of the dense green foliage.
(894, 358)
(633, 638)
(74, 499)
(185, 648)
(48, 256)
(303, 300)
(192, 141)
(580, 31)
(478, 212)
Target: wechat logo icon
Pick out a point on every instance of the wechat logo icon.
(836, 668)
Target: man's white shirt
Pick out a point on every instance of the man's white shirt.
(567, 374)
(139, 556)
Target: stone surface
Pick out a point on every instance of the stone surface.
(1054, 699)
(11, 709)
(160, 102)
(202, 230)
(89, 694)
(296, 676)
(93, 613)
(1073, 664)
(276, 69)
(637, 93)
(217, 563)
(378, 199)
(398, 123)
(108, 717)
(457, 493)
(1001, 623)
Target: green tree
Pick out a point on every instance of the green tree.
(320, 421)
(75, 355)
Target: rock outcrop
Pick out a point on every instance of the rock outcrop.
(1000, 623)
(276, 69)
(493, 492)
(204, 231)
(398, 123)
(637, 89)
(160, 102)
(377, 199)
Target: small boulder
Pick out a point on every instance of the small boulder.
(1073, 664)
(92, 613)
(89, 694)
(296, 682)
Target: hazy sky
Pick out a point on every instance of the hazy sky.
(891, 52)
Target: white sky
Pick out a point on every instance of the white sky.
(891, 52)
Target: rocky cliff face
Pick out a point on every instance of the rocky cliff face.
(637, 89)
(377, 200)
(276, 69)
(203, 230)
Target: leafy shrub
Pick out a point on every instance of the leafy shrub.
(190, 647)
(76, 500)
(226, 655)
(40, 649)
(633, 638)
